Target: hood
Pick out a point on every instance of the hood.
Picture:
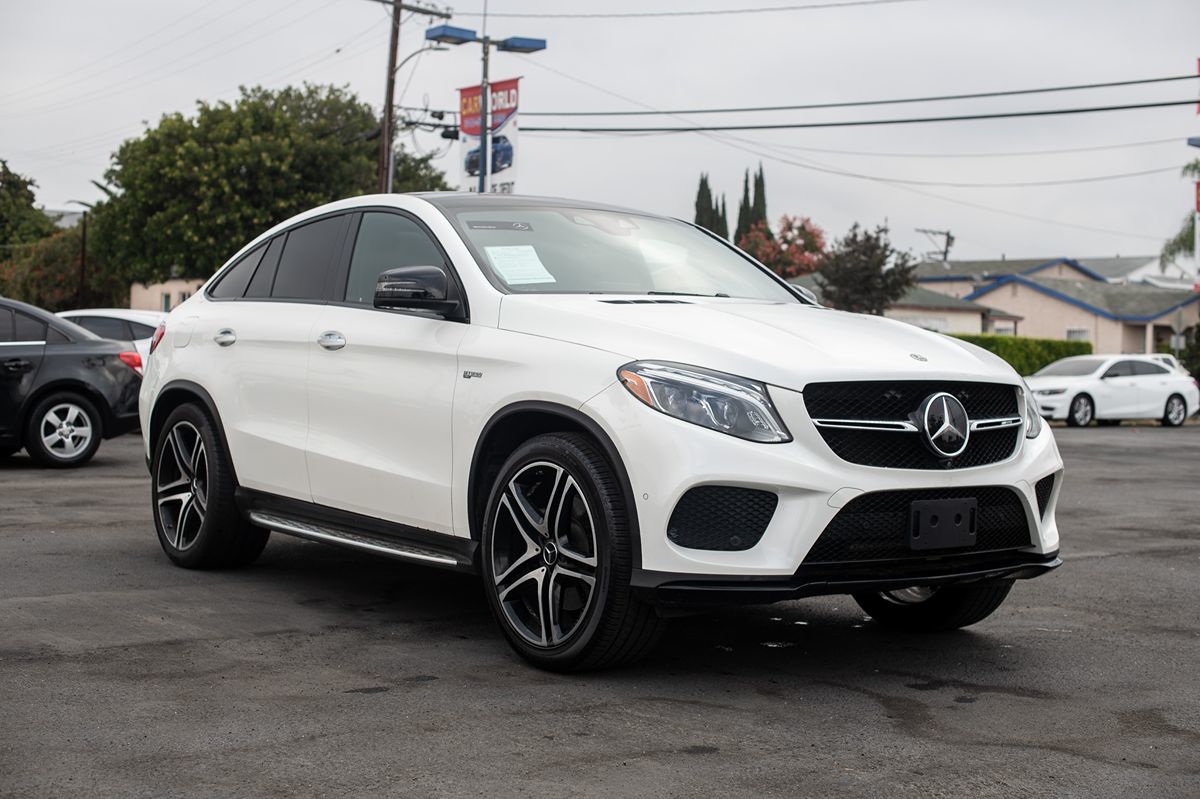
(782, 344)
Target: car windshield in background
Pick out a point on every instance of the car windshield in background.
(1071, 367)
(549, 250)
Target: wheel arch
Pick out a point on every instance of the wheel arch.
(181, 392)
(514, 424)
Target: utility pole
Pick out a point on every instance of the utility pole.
(386, 128)
(947, 241)
(82, 263)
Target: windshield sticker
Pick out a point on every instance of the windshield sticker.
(518, 264)
(499, 225)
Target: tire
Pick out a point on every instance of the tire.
(63, 431)
(192, 497)
(559, 591)
(1081, 412)
(934, 609)
(1175, 411)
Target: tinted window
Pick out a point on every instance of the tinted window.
(6, 324)
(386, 241)
(235, 280)
(104, 327)
(140, 331)
(28, 328)
(308, 256)
(264, 276)
(1072, 367)
(56, 336)
(1120, 369)
(1147, 368)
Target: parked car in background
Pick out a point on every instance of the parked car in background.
(119, 324)
(1170, 361)
(605, 413)
(1110, 388)
(62, 388)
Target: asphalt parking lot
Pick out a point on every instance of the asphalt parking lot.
(320, 672)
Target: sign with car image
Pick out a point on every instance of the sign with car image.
(502, 108)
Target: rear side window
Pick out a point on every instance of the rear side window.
(6, 324)
(56, 336)
(264, 275)
(104, 326)
(235, 280)
(140, 331)
(1120, 369)
(28, 329)
(308, 257)
(1147, 368)
(386, 241)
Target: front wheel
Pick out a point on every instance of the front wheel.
(1082, 411)
(557, 558)
(933, 609)
(1175, 413)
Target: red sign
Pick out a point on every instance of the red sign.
(502, 105)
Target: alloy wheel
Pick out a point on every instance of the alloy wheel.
(66, 430)
(1176, 411)
(544, 555)
(910, 596)
(1082, 412)
(181, 485)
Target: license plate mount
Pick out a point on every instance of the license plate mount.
(943, 523)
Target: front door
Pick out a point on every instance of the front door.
(1117, 394)
(22, 346)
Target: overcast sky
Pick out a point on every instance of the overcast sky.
(78, 77)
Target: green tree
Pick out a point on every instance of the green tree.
(20, 221)
(745, 212)
(758, 206)
(863, 273)
(721, 222)
(704, 204)
(1183, 242)
(192, 190)
(45, 273)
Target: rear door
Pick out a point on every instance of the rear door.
(259, 332)
(380, 400)
(22, 348)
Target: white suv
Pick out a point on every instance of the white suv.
(607, 414)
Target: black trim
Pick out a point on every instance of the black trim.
(460, 549)
(681, 590)
(197, 392)
(474, 519)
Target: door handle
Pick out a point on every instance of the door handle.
(331, 340)
(225, 337)
(17, 365)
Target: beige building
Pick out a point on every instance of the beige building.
(162, 296)
(939, 312)
(961, 278)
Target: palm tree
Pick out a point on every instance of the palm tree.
(1183, 242)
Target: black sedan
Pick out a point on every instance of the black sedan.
(62, 388)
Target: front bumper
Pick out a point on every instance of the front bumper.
(1053, 406)
(666, 457)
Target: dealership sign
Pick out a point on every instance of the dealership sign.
(502, 108)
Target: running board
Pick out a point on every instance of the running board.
(332, 535)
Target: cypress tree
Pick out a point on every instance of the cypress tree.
(720, 219)
(745, 211)
(758, 212)
(704, 203)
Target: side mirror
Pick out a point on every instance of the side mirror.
(415, 288)
(805, 293)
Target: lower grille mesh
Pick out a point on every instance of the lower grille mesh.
(1043, 489)
(722, 518)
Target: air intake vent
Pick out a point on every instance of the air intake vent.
(1043, 489)
(721, 518)
(646, 302)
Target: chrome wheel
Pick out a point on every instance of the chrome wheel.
(1176, 411)
(1082, 411)
(181, 485)
(66, 431)
(544, 554)
(910, 596)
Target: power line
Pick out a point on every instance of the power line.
(1009, 154)
(858, 103)
(693, 13)
(864, 122)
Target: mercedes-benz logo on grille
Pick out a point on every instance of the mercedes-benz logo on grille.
(946, 425)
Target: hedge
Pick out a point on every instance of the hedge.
(1027, 355)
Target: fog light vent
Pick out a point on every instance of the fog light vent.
(721, 518)
(1043, 489)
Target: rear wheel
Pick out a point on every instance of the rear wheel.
(1082, 411)
(934, 609)
(557, 558)
(192, 495)
(63, 431)
(1175, 413)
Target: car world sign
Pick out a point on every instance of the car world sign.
(502, 108)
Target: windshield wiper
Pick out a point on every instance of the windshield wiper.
(686, 294)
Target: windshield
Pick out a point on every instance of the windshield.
(1070, 367)
(547, 250)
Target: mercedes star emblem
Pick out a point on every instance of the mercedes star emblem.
(946, 424)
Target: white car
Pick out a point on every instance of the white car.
(1109, 388)
(608, 415)
(119, 324)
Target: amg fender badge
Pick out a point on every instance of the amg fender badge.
(918, 357)
(468, 374)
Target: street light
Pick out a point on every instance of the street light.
(391, 164)
(448, 34)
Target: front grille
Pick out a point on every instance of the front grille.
(722, 518)
(880, 401)
(1043, 489)
(875, 526)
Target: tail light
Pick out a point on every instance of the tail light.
(159, 332)
(132, 360)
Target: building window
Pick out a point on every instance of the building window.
(1005, 329)
(166, 301)
(1077, 334)
(183, 295)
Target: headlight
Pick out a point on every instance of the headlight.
(710, 399)
(1046, 392)
(1033, 419)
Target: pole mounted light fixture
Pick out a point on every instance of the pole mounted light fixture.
(449, 34)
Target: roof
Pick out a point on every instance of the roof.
(917, 297)
(1113, 268)
(1132, 302)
